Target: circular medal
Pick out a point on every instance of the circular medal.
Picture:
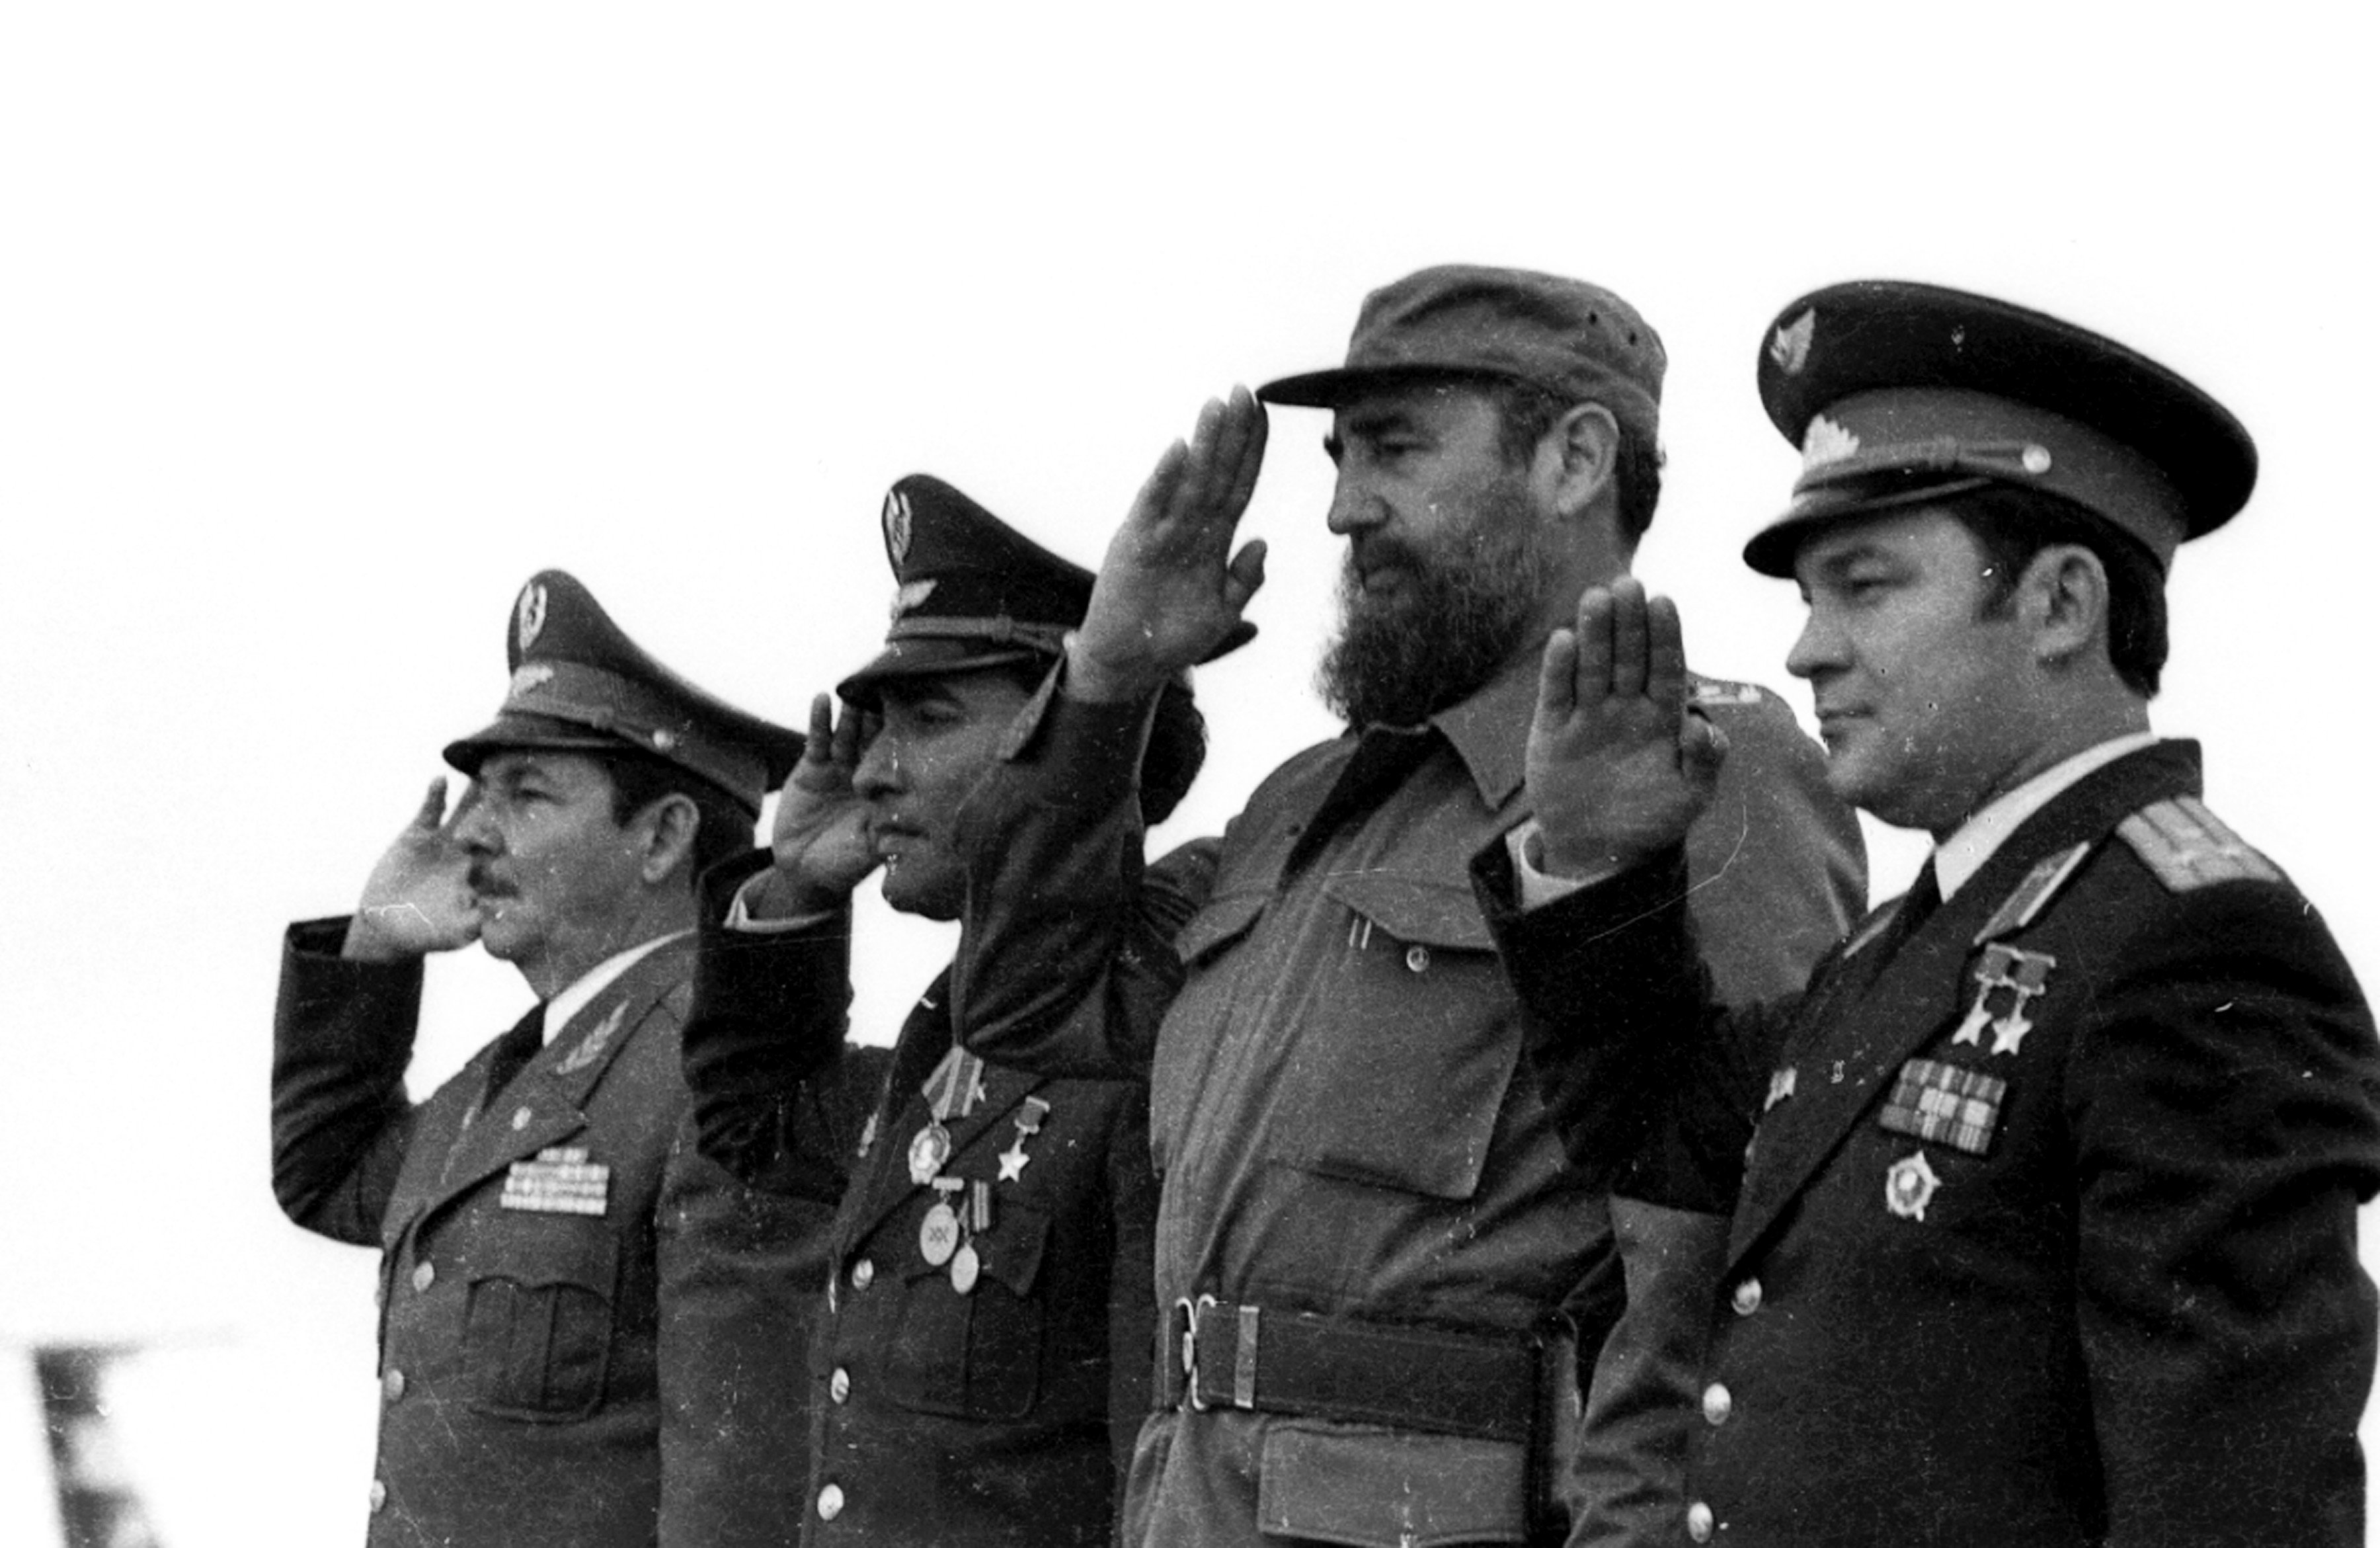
(964, 1268)
(928, 1152)
(937, 1237)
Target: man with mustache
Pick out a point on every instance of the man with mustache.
(2046, 1228)
(1367, 1230)
(982, 1363)
(589, 1334)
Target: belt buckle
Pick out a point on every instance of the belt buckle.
(1191, 1310)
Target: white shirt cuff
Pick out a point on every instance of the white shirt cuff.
(739, 915)
(1538, 889)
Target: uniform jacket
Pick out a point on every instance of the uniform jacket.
(996, 1415)
(1335, 1109)
(2077, 1270)
(533, 1390)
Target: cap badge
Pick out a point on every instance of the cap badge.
(530, 617)
(1791, 347)
(911, 596)
(1826, 441)
(536, 674)
(896, 526)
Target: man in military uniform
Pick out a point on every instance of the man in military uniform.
(2045, 1233)
(982, 1364)
(1367, 1227)
(588, 1334)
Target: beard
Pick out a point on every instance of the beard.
(1464, 608)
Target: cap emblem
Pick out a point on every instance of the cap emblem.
(536, 674)
(1791, 347)
(1826, 441)
(896, 527)
(529, 619)
(911, 596)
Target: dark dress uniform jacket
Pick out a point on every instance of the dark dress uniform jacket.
(997, 1415)
(533, 1391)
(1334, 1100)
(2084, 1274)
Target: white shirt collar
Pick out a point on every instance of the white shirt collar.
(1957, 857)
(571, 1001)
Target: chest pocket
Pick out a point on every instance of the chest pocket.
(1402, 1069)
(975, 1356)
(536, 1323)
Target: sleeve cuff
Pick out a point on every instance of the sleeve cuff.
(740, 919)
(1538, 888)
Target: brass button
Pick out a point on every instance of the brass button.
(1417, 958)
(830, 1502)
(392, 1386)
(521, 1116)
(425, 1274)
(863, 1273)
(1717, 1403)
(838, 1386)
(379, 1497)
(1699, 1522)
(1746, 1300)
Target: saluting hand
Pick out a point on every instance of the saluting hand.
(819, 838)
(418, 900)
(1171, 590)
(1619, 767)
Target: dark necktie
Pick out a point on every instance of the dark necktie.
(1385, 756)
(515, 1049)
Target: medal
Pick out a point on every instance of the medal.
(1028, 1124)
(937, 1237)
(965, 1267)
(928, 1150)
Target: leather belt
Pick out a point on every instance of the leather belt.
(1214, 1354)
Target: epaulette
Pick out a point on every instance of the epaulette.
(1713, 690)
(2188, 847)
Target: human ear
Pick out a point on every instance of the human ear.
(2065, 591)
(1579, 458)
(668, 827)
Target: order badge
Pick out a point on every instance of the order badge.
(937, 1237)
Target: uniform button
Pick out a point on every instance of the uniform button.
(1717, 1403)
(379, 1497)
(425, 1274)
(838, 1386)
(521, 1116)
(1417, 958)
(1698, 1521)
(830, 1502)
(392, 1386)
(863, 1273)
(1746, 1300)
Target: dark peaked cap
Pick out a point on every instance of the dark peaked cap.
(970, 591)
(1898, 392)
(579, 684)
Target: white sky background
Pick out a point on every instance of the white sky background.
(321, 329)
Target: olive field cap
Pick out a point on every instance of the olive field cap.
(969, 590)
(580, 683)
(1575, 340)
(1899, 393)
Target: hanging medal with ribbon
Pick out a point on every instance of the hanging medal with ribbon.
(1028, 1124)
(966, 1264)
(956, 1087)
(938, 1234)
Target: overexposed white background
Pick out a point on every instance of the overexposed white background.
(322, 327)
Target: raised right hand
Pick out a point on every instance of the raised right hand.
(819, 841)
(418, 900)
(1618, 766)
(1171, 590)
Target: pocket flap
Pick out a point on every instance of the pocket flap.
(1363, 1485)
(535, 1251)
(1414, 909)
(1223, 919)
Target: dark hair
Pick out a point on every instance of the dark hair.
(723, 826)
(1529, 411)
(2013, 525)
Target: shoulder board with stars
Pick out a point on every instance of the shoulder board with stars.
(1712, 691)
(2024, 905)
(2188, 847)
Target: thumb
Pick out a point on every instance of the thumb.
(1702, 751)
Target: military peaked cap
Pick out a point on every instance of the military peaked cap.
(1899, 393)
(580, 683)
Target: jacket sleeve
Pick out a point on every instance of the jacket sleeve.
(2221, 1105)
(1131, 1282)
(1065, 963)
(765, 1032)
(342, 1036)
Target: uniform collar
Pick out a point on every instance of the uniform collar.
(1957, 857)
(571, 1001)
(1489, 731)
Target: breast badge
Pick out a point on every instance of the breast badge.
(1909, 1186)
(1945, 1105)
